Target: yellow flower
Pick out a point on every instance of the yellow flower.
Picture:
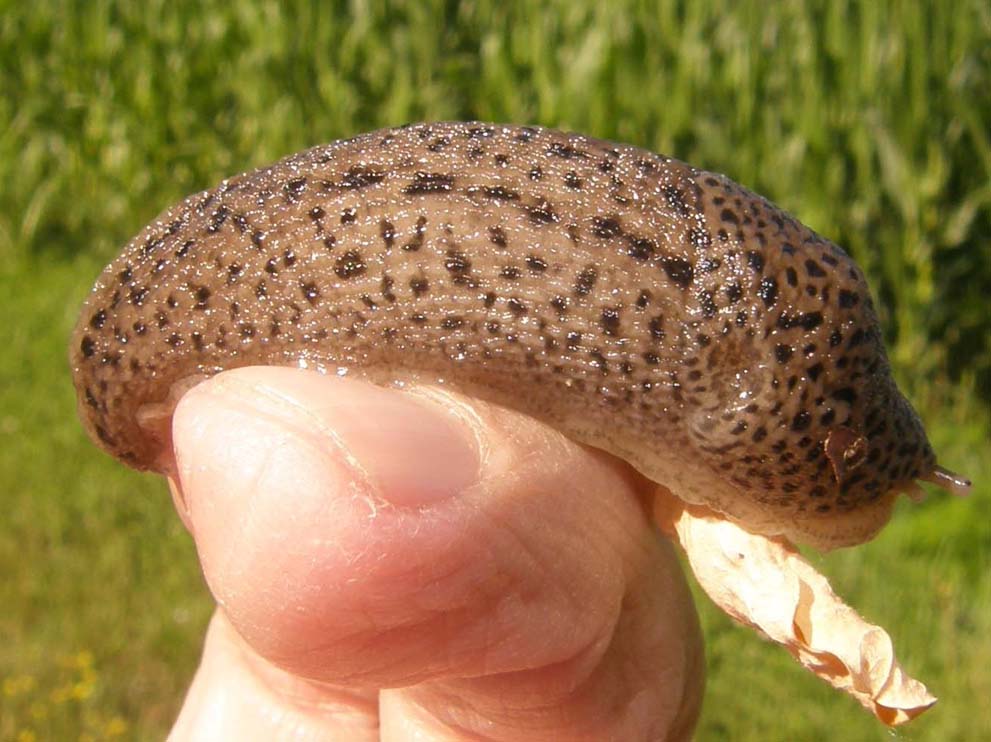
(116, 726)
(18, 684)
(61, 694)
(84, 659)
(82, 690)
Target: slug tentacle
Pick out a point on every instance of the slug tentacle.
(949, 481)
(657, 311)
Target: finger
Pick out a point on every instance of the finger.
(646, 684)
(496, 548)
(238, 695)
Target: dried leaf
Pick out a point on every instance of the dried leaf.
(765, 583)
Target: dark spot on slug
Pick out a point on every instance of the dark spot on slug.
(768, 291)
(535, 264)
(807, 320)
(707, 304)
(599, 360)
(360, 177)
(439, 144)
(566, 151)
(699, 238)
(846, 394)
(847, 299)
(585, 280)
(814, 269)
(457, 263)
(350, 264)
(137, 295)
(656, 327)
(499, 193)
(202, 297)
(388, 233)
(679, 270)
(385, 288)
(755, 260)
(497, 236)
(610, 320)
(419, 285)
(426, 183)
(641, 248)
(605, 227)
(294, 189)
(217, 219)
(310, 291)
(541, 212)
(676, 200)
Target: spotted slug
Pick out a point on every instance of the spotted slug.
(639, 305)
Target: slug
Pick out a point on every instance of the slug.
(639, 305)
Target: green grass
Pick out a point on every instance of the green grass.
(869, 121)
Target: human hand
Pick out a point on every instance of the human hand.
(395, 565)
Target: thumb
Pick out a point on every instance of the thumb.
(363, 537)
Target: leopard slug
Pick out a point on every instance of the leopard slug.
(639, 305)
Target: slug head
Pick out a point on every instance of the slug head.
(800, 412)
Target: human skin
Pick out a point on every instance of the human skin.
(414, 564)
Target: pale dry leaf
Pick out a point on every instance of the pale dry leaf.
(766, 584)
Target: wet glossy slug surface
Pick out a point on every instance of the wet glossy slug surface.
(640, 305)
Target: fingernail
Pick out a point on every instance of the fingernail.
(412, 450)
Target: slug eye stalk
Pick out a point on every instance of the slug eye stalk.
(949, 481)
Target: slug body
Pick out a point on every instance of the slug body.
(639, 305)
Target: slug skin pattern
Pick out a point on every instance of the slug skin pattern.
(639, 305)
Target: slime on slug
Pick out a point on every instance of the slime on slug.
(640, 305)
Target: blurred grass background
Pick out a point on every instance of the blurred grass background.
(869, 121)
